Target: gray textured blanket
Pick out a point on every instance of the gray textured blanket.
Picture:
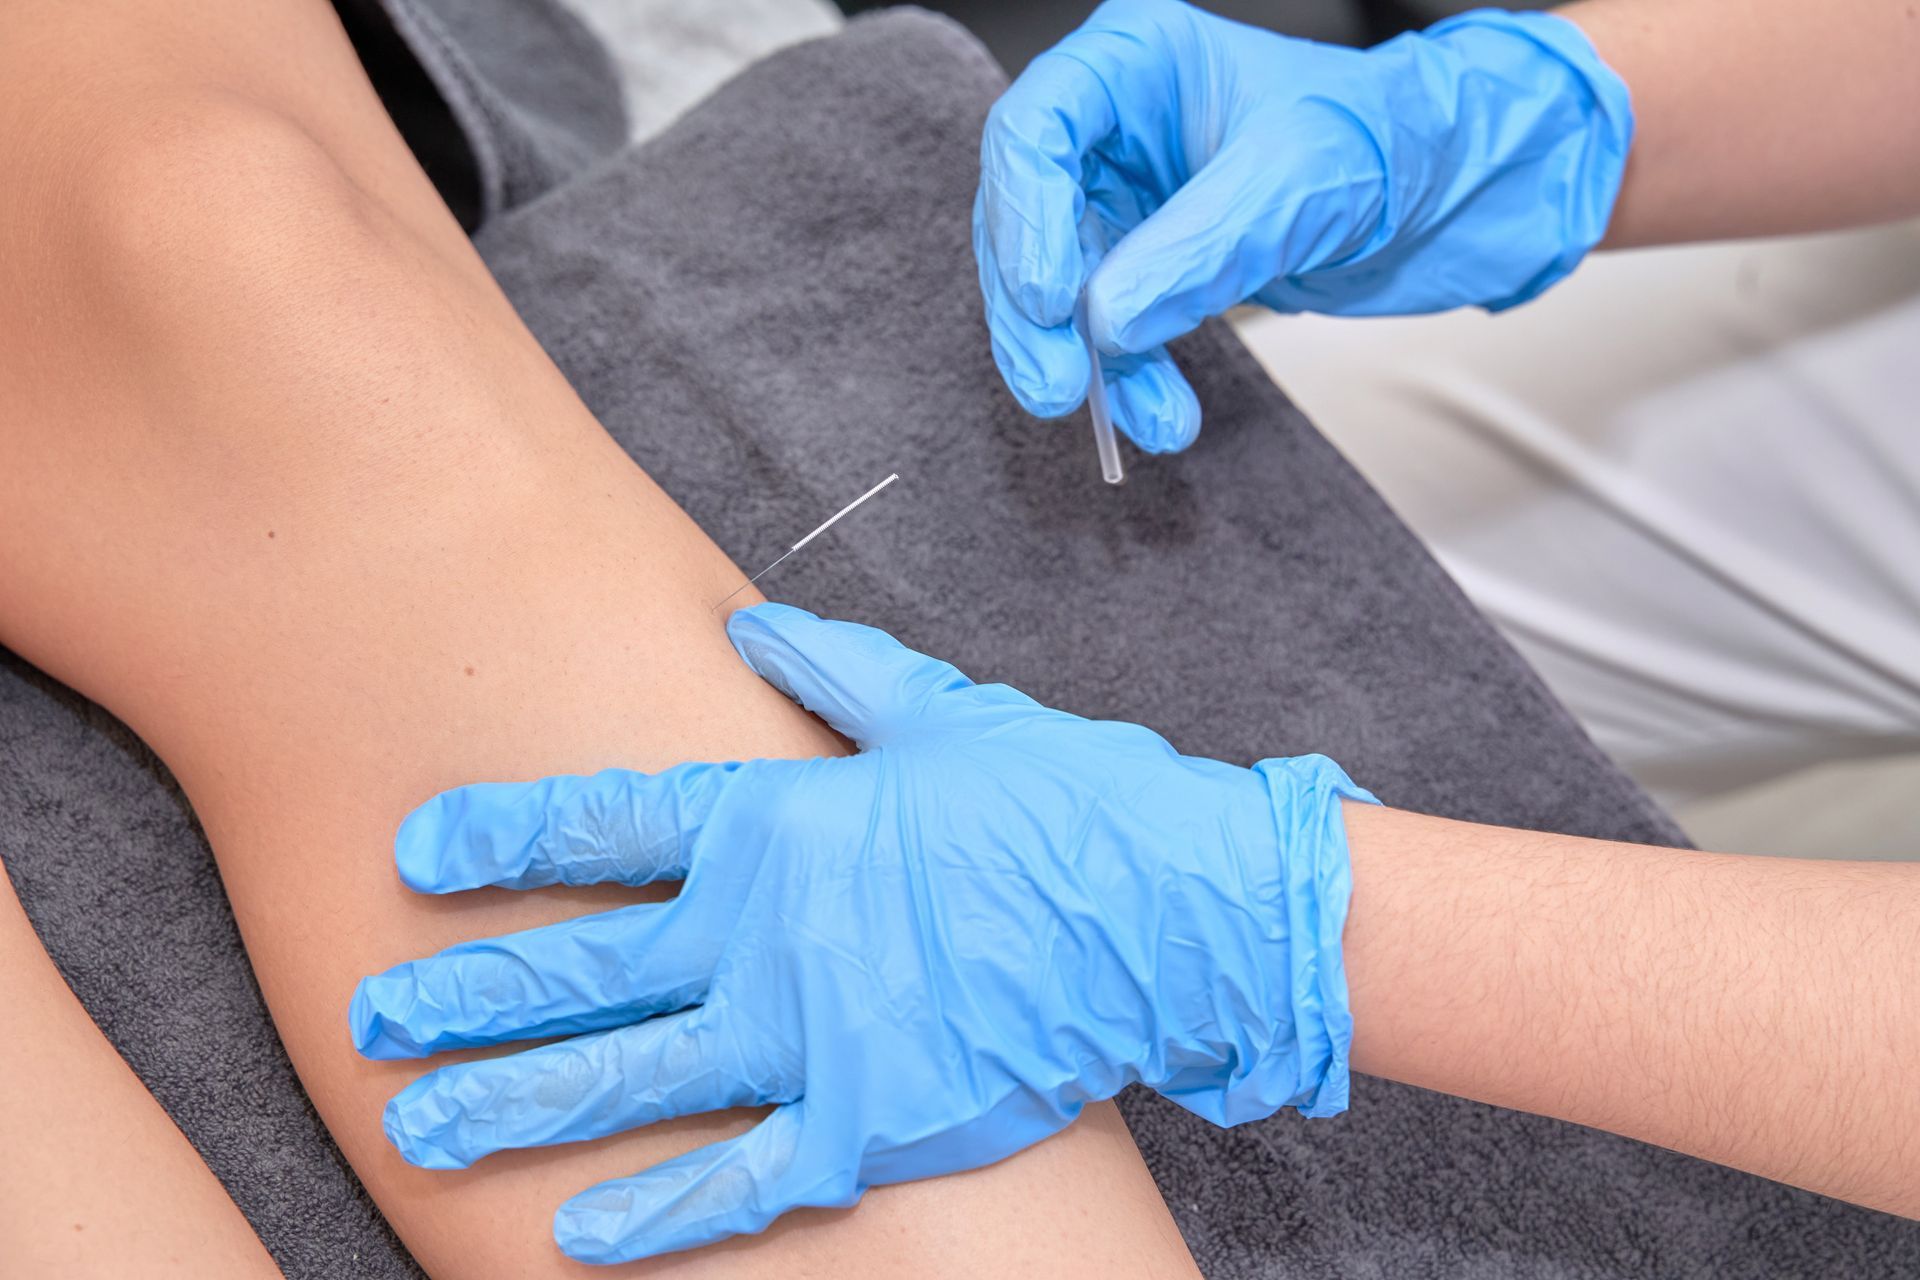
(771, 307)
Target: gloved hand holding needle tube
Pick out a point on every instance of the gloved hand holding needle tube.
(1212, 163)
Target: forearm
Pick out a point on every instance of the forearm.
(1747, 1010)
(1762, 118)
(96, 1182)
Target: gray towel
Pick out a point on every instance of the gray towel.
(772, 306)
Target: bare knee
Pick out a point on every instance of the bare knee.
(206, 191)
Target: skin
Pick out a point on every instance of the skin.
(97, 1183)
(1762, 118)
(1757, 1012)
(288, 488)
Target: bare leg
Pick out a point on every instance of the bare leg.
(97, 1182)
(288, 487)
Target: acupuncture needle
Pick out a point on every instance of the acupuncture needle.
(832, 520)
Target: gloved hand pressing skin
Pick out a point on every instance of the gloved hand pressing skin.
(1472, 164)
(930, 955)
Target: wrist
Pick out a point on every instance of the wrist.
(1507, 138)
(1582, 175)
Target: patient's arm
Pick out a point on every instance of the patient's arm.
(96, 1181)
(285, 484)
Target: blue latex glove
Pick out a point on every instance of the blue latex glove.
(1210, 162)
(930, 955)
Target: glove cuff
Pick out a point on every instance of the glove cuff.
(1317, 884)
(1581, 176)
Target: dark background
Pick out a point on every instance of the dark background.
(1016, 30)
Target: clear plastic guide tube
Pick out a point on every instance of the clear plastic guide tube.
(1103, 437)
